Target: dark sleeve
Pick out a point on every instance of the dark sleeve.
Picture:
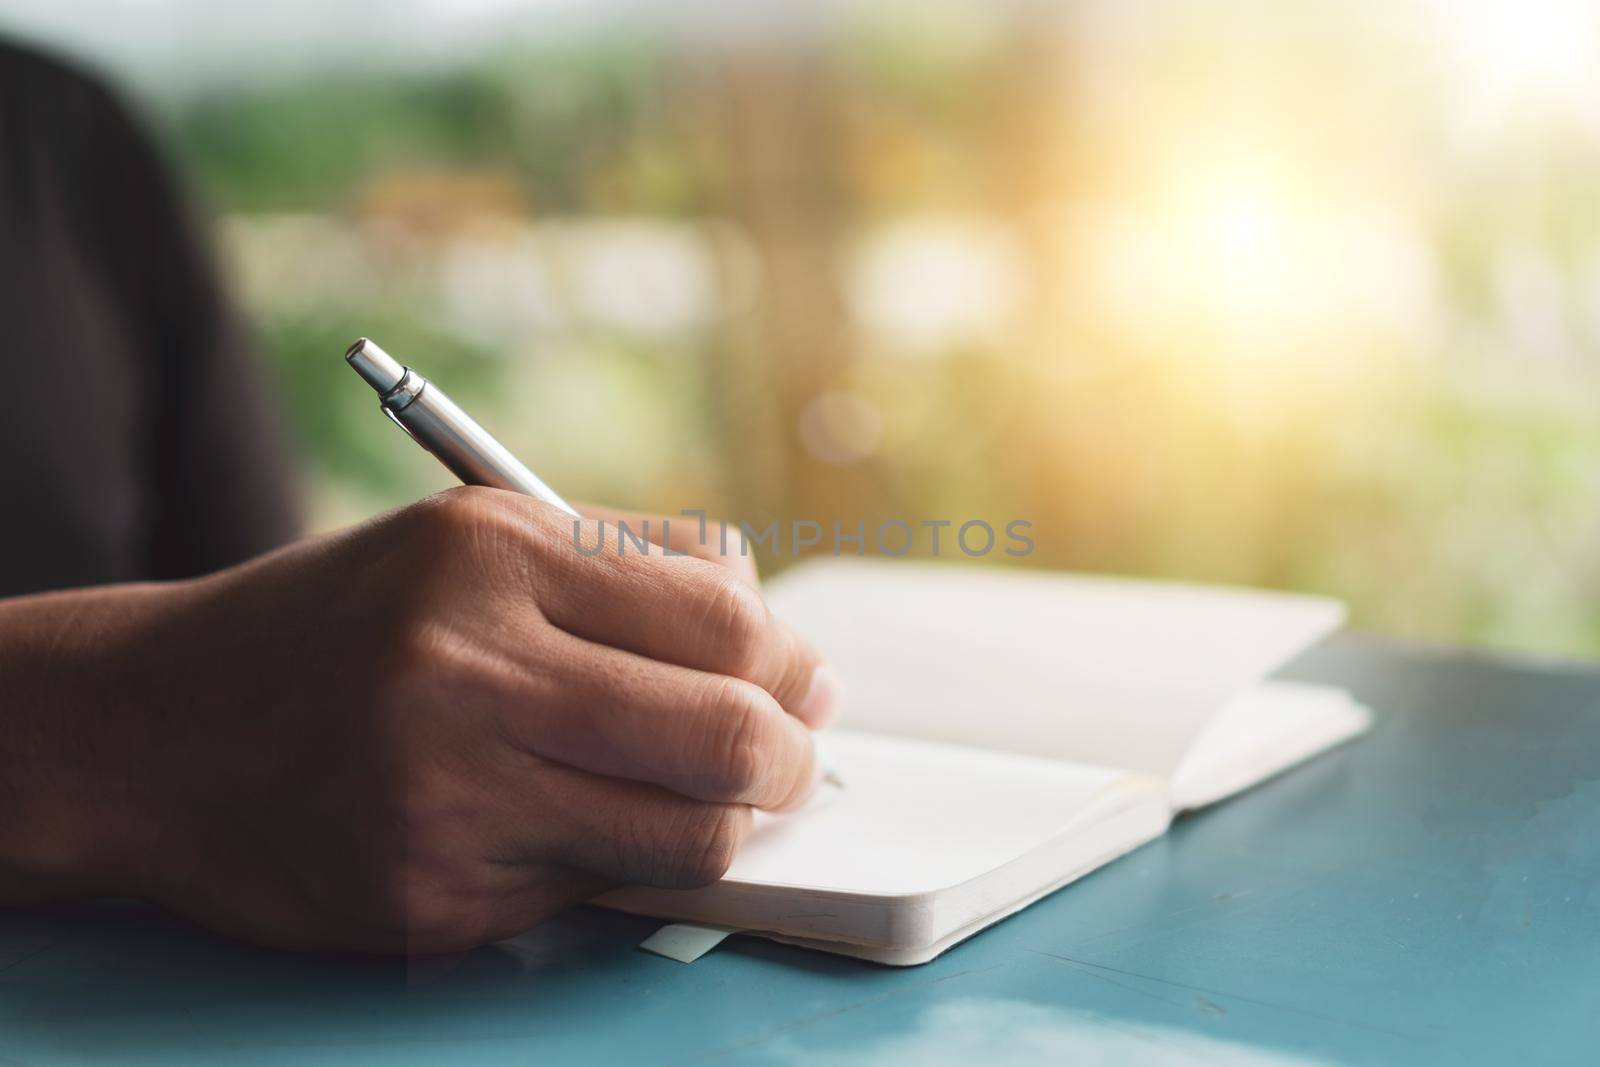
(220, 487)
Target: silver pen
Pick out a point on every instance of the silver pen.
(433, 420)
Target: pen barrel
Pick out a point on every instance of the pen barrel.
(467, 449)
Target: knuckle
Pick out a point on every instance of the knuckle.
(735, 621)
(706, 846)
(488, 535)
(550, 523)
(476, 516)
(457, 509)
(740, 736)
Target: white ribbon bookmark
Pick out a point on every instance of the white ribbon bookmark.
(686, 942)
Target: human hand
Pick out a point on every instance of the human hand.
(429, 731)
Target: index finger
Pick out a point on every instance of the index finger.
(691, 534)
(684, 611)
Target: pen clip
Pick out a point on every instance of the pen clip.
(396, 420)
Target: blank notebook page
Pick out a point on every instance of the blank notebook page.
(1115, 672)
(1261, 732)
(918, 816)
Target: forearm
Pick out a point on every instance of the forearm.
(75, 739)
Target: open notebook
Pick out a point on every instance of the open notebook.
(1003, 734)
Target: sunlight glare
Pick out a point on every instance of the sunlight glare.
(1545, 53)
(1241, 244)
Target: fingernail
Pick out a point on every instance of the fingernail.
(820, 706)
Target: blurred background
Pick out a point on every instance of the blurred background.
(1304, 296)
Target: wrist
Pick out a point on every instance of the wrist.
(80, 773)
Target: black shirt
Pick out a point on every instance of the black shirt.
(133, 438)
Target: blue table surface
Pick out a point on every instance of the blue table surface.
(1429, 894)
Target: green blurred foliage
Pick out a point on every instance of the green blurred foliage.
(641, 261)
